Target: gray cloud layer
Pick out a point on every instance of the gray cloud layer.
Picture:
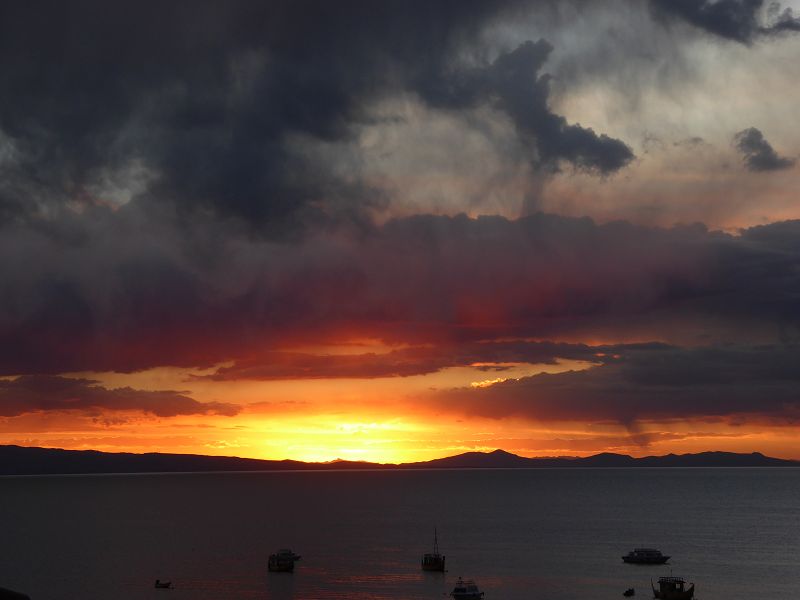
(739, 20)
(116, 290)
(652, 382)
(37, 393)
(418, 360)
(513, 82)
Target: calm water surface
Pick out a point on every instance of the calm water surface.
(521, 534)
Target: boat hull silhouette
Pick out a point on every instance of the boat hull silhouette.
(646, 561)
(672, 588)
(433, 561)
(283, 561)
(645, 556)
(466, 590)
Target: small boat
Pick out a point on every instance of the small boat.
(629, 592)
(287, 552)
(466, 590)
(433, 561)
(645, 556)
(163, 585)
(672, 588)
(282, 561)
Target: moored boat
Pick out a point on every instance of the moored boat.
(163, 585)
(287, 552)
(433, 561)
(282, 561)
(645, 556)
(672, 588)
(466, 590)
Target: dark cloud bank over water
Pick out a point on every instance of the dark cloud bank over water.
(105, 292)
(652, 382)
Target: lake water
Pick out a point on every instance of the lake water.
(554, 534)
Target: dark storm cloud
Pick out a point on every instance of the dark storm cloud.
(208, 94)
(37, 393)
(211, 100)
(117, 290)
(513, 83)
(758, 154)
(732, 19)
(419, 360)
(784, 20)
(655, 382)
(739, 20)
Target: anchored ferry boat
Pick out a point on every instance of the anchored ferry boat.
(645, 556)
(466, 590)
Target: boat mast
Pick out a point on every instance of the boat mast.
(435, 541)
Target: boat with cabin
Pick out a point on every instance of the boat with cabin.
(433, 561)
(466, 590)
(672, 588)
(282, 561)
(645, 556)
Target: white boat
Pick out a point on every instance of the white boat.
(466, 590)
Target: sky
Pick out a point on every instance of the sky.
(395, 231)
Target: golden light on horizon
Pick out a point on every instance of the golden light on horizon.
(382, 420)
(384, 436)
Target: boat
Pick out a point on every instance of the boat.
(163, 585)
(466, 590)
(672, 588)
(645, 556)
(287, 552)
(629, 592)
(282, 561)
(433, 561)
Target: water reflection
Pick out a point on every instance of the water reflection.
(520, 534)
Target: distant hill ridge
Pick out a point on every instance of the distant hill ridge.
(19, 460)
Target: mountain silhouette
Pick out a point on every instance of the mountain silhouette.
(18, 460)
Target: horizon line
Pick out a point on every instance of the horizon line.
(389, 464)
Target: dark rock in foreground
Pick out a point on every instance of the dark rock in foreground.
(11, 595)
